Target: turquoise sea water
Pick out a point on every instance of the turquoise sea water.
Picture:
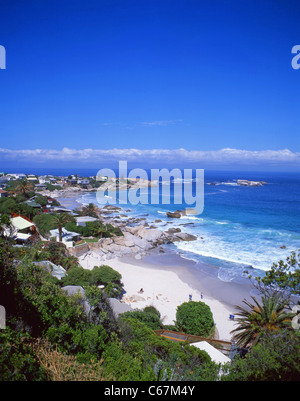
(241, 228)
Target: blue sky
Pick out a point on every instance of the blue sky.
(202, 76)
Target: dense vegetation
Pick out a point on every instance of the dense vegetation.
(9, 206)
(46, 222)
(95, 229)
(103, 275)
(46, 328)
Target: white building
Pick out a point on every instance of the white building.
(68, 237)
(216, 355)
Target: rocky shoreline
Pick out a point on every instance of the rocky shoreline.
(138, 237)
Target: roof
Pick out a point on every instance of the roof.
(22, 236)
(216, 355)
(32, 203)
(61, 209)
(2, 191)
(84, 219)
(20, 224)
(66, 235)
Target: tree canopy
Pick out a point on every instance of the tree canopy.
(195, 318)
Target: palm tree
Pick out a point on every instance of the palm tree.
(260, 319)
(98, 229)
(60, 220)
(23, 187)
(90, 210)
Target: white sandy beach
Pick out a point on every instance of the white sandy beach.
(162, 289)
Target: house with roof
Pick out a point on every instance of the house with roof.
(40, 186)
(68, 237)
(3, 193)
(16, 176)
(72, 181)
(21, 230)
(33, 204)
(32, 178)
(3, 181)
(46, 179)
(83, 181)
(50, 200)
(61, 182)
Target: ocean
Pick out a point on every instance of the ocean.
(242, 230)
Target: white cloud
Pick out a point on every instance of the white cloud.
(161, 123)
(222, 156)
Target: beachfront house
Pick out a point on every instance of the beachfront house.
(3, 181)
(21, 230)
(101, 178)
(50, 200)
(72, 181)
(40, 186)
(3, 194)
(83, 182)
(68, 237)
(43, 180)
(33, 203)
(18, 176)
(61, 182)
(32, 178)
(46, 179)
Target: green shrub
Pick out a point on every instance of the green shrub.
(150, 318)
(195, 318)
(152, 309)
(57, 253)
(104, 274)
(99, 275)
(170, 327)
(77, 276)
(17, 360)
(120, 363)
